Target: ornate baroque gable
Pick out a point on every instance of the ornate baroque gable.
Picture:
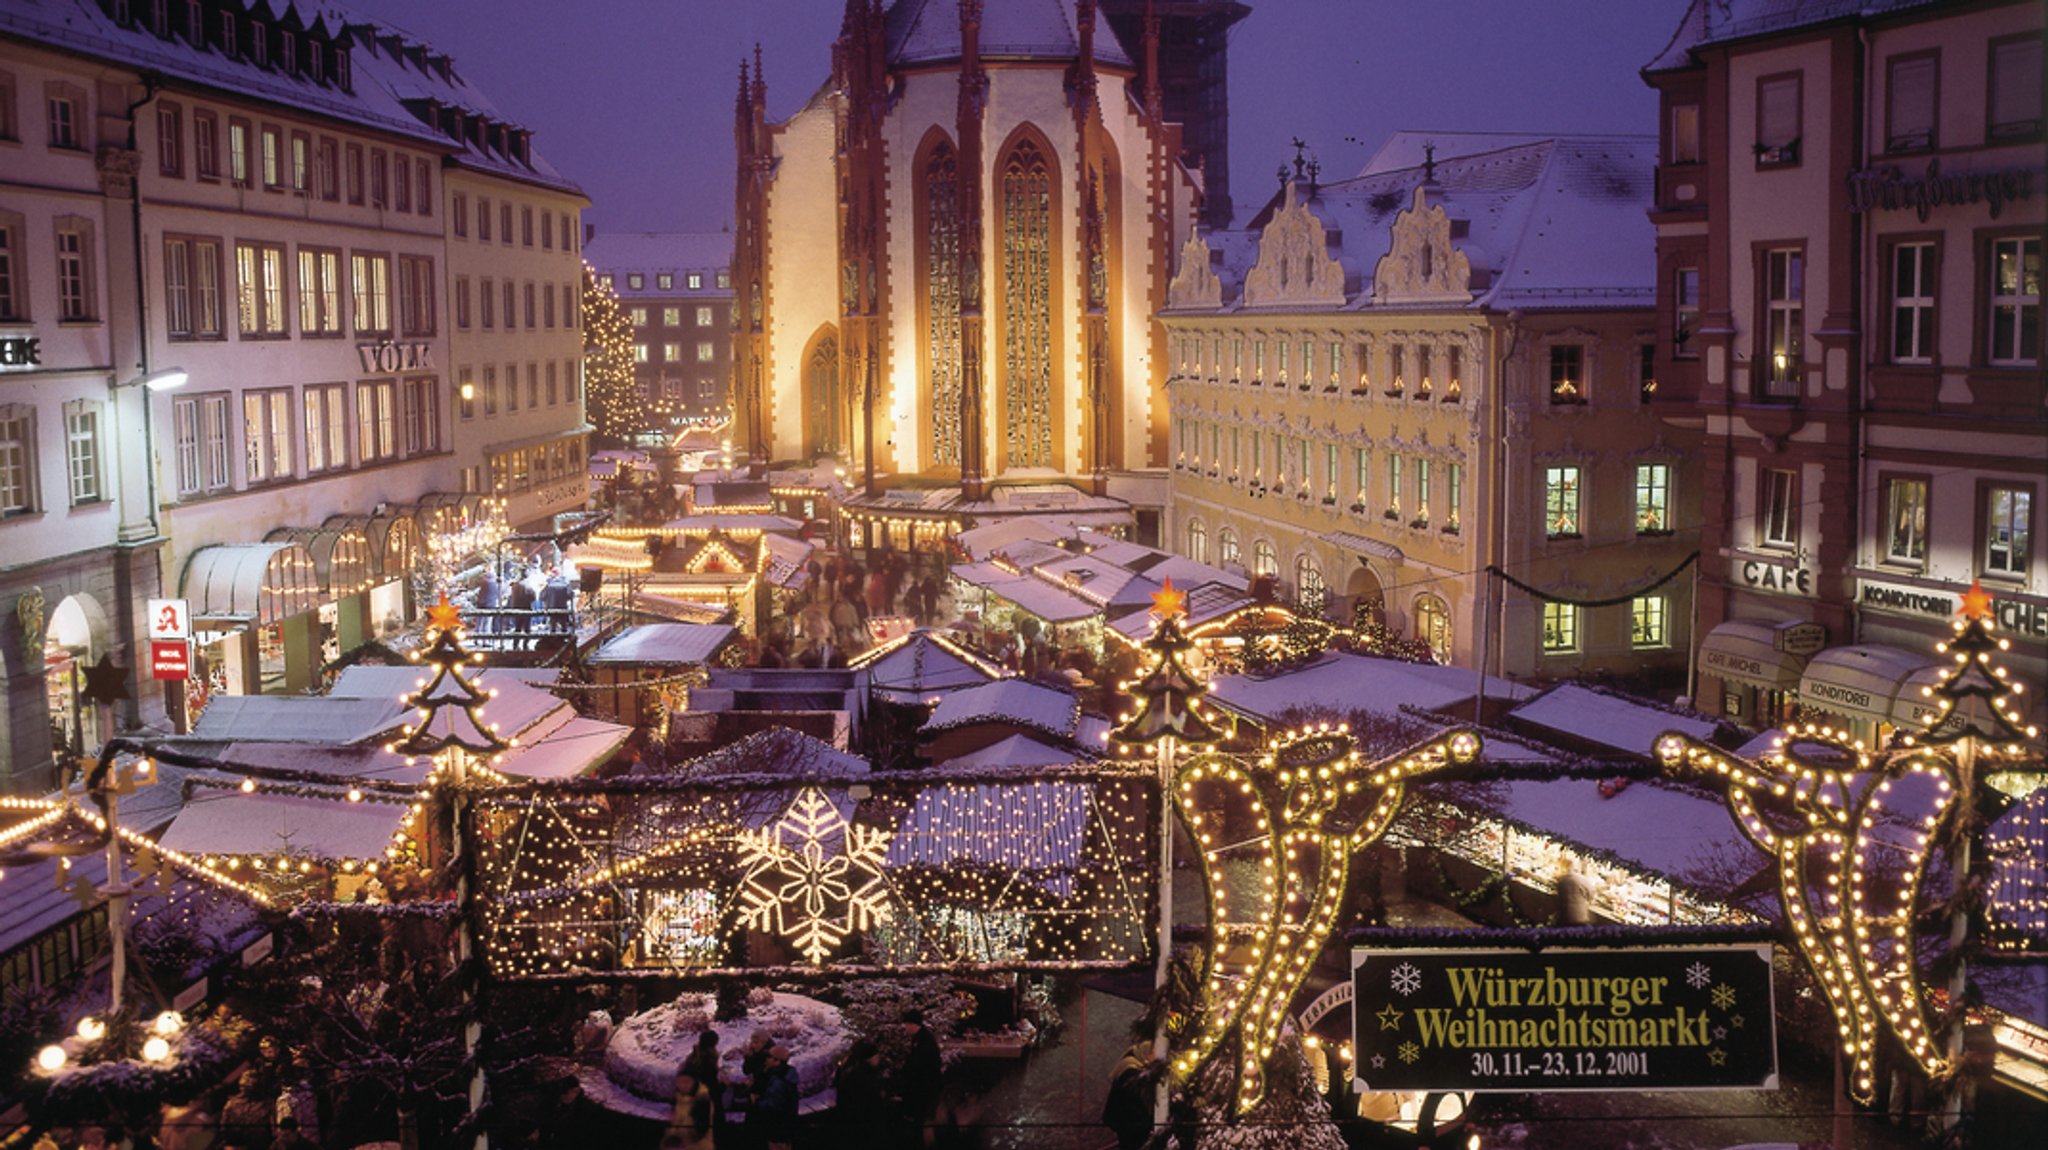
(1195, 284)
(1421, 265)
(1294, 268)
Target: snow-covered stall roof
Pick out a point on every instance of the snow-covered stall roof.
(1015, 751)
(229, 822)
(299, 719)
(1606, 719)
(1015, 701)
(1342, 682)
(663, 644)
(921, 664)
(1040, 826)
(575, 748)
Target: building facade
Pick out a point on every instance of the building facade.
(1392, 392)
(676, 288)
(256, 199)
(947, 262)
(1849, 219)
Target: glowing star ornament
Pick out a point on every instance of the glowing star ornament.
(812, 877)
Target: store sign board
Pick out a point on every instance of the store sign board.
(170, 619)
(1692, 1018)
(170, 659)
(2015, 615)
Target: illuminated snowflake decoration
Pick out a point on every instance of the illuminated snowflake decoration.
(1698, 976)
(812, 877)
(1724, 996)
(1406, 979)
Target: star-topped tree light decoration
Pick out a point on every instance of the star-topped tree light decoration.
(1168, 694)
(448, 702)
(1976, 699)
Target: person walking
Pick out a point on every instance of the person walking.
(776, 1100)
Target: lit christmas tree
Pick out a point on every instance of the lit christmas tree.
(1169, 695)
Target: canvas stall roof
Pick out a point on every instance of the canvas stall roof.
(573, 749)
(1007, 701)
(928, 32)
(394, 540)
(298, 718)
(345, 764)
(786, 561)
(1023, 826)
(1670, 830)
(1015, 751)
(229, 822)
(921, 664)
(257, 583)
(1606, 720)
(1860, 682)
(1746, 651)
(341, 556)
(663, 644)
(1343, 683)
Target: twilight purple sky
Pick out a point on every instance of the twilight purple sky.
(633, 98)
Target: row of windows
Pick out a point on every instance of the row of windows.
(278, 159)
(2005, 527)
(671, 317)
(1563, 630)
(530, 467)
(2009, 303)
(562, 386)
(288, 432)
(84, 455)
(268, 280)
(2012, 109)
(707, 352)
(72, 259)
(665, 281)
(536, 302)
(506, 213)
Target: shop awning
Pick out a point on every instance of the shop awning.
(1746, 651)
(341, 556)
(1859, 682)
(260, 583)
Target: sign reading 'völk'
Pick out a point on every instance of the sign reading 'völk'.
(1698, 1018)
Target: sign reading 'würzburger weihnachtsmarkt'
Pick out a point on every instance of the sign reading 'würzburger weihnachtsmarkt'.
(1698, 1018)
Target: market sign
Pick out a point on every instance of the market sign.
(1696, 1018)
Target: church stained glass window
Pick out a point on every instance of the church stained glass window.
(942, 301)
(1027, 306)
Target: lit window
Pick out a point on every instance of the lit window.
(1561, 502)
(1905, 520)
(1560, 628)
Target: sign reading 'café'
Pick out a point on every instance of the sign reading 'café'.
(1698, 1018)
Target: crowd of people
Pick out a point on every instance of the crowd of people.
(756, 1105)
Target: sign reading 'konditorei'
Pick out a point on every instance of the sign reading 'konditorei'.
(1698, 1018)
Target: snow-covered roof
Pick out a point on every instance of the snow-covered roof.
(653, 254)
(1039, 826)
(229, 822)
(921, 664)
(1669, 830)
(928, 32)
(1342, 683)
(1606, 719)
(664, 643)
(1014, 751)
(299, 719)
(575, 748)
(1551, 220)
(1718, 21)
(1017, 701)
